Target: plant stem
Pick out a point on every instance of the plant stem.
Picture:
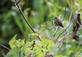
(26, 20)
(3, 46)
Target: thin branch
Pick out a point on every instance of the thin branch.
(3, 46)
(33, 45)
(26, 20)
(60, 43)
(56, 31)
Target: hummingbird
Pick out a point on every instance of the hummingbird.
(77, 22)
(78, 19)
(58, 22)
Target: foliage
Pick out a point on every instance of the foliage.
(47, 40)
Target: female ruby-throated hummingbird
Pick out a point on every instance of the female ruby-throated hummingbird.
(58, 22)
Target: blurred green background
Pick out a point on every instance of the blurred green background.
(40, 14)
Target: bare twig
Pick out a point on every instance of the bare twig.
(56, 31)
(3, 46)
(33, 45)
(26, 20)
(61, 41)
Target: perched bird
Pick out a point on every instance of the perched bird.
(58, 22)
(78, 19)
(76, 26)
(77, 22)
